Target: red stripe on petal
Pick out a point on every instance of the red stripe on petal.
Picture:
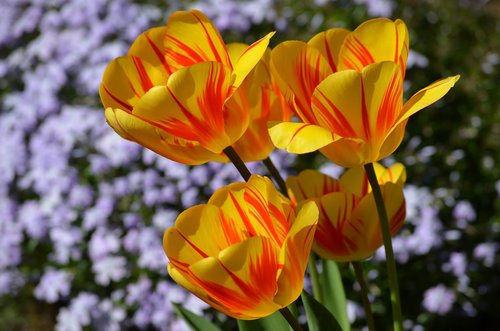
(122, 103)
(146, 82)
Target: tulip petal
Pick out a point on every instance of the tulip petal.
(126, 80)
(249, 59)
(427, 96)
(393, 140)
(396, 173)
(296, 249)
(336, 236)
(149, 47)
(383, 92)
(329, 43)
(311, 184)
(191, 106)
(364, 214)
(242, 279)
(256, 208)
(355, 181)
(348, 152)
(192, 38)
(299, 138)
(376, 40)
(299, 69)
(136, 129)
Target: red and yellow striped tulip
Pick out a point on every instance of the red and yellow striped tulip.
(261, 97)
(173, 91)
(347, 89)
(348, 227)
(245, 251)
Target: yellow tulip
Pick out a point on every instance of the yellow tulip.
(347, 89)
(245, 251)
(173, 91)
(348, 227)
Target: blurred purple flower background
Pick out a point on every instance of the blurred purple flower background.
(82, 211)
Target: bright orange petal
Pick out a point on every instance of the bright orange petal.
(299, 68)
(336, 237)
(329, 43)
(136, 129)
(191, 106)
(192, 38)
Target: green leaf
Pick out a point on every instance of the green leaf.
(319, 318)
(197, 323)
(333, 293)
(274, 322)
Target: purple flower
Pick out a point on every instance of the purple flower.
(464, 213)
(438, 299)
(54, 285)
(110, 268)
(33, 219)
(486, 252)
(102, 243)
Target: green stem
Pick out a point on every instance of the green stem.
(276, 175)
(358, 270)
(389, 254)
(294, 323)
(313, 271)
(238, 162)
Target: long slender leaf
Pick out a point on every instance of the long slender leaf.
(334, 293)
(197, 323)
(319, 318)
(274, 322)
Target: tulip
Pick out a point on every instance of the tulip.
(347, 90)
(348, 227)
(245, 251)
(173, 91)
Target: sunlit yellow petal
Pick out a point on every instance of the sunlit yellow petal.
(243, 278)
(376, 40)
(126, 80)
(299, 138)
(329, 43)
(296, 249)
(393, 140)
(299, 68)
(249, 59)
(427, 96)
(338, 105)
(383, 92)
(149, 47)
(348, 152)
(192, 38)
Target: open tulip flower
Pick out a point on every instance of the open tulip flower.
(348, 227)
(245, 251)
(347, 90)
(173, 91)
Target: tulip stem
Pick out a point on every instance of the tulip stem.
(238, 162)
(276, 175)
(313, 272)
(358, 270)
(389, 254)
(294, 323)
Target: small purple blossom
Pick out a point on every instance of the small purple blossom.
(439, 299)
(53, 286)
